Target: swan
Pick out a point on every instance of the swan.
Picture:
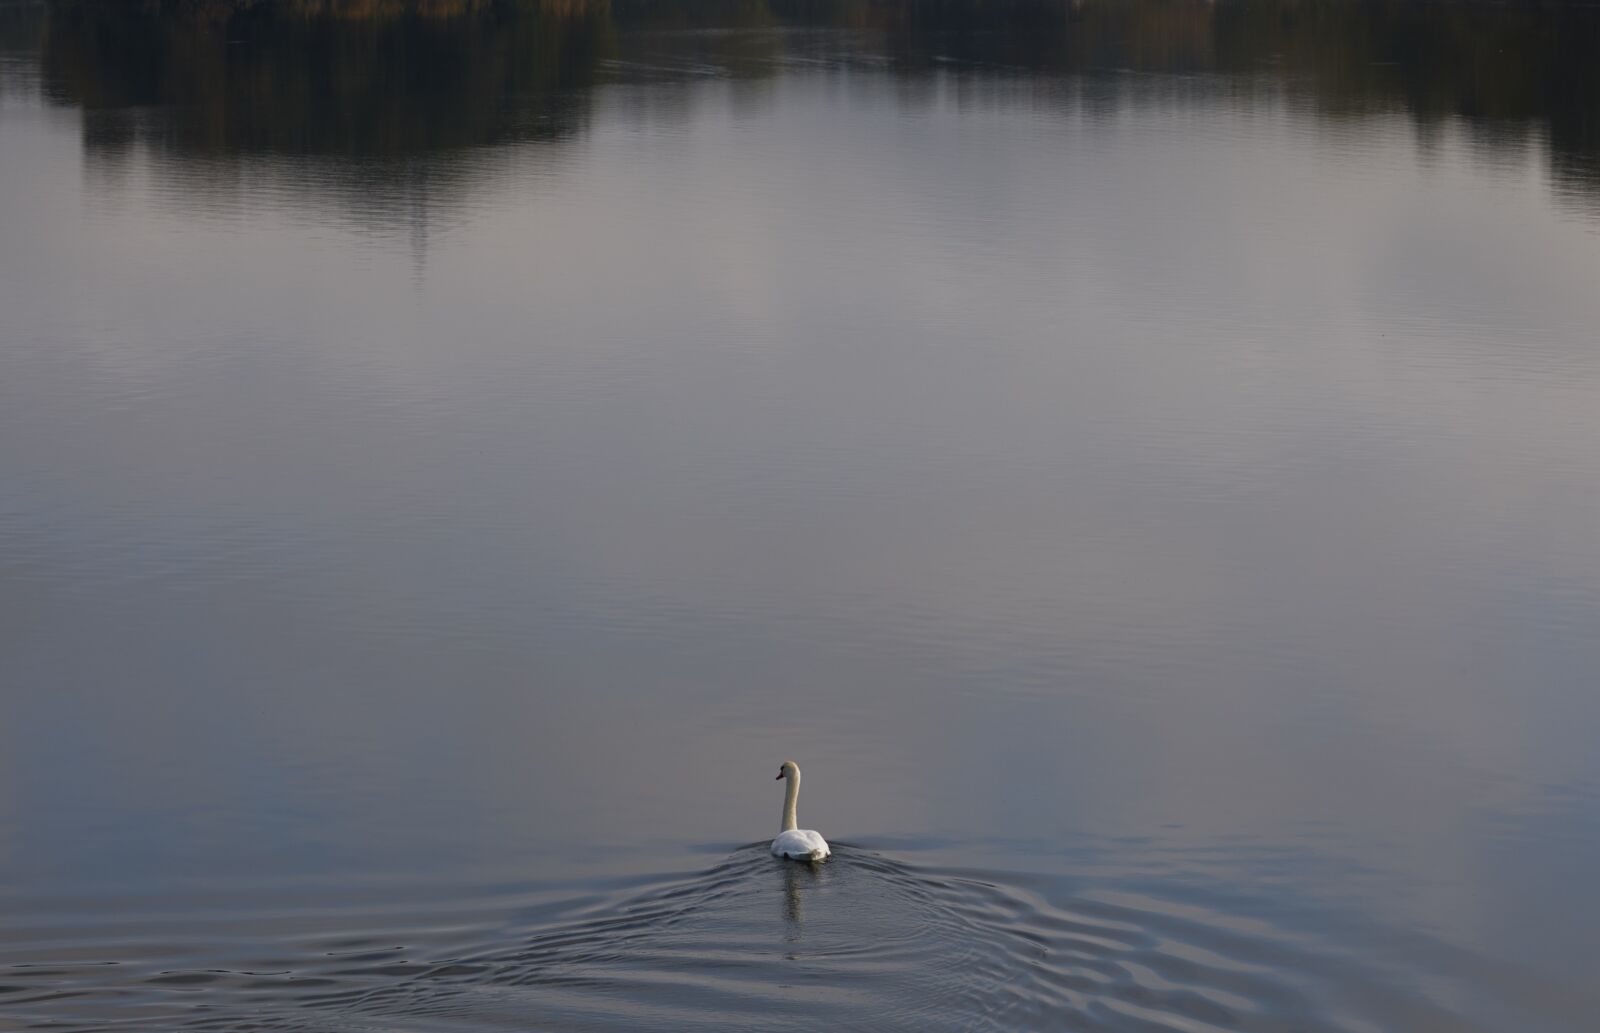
(793, 843)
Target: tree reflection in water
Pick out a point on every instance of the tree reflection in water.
(371, 87)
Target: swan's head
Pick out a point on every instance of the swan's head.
(789, 770)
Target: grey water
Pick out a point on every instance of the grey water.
(1141, 459)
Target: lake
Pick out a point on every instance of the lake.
(1139, 458)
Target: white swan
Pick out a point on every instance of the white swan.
(794, 843)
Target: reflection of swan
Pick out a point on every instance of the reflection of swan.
(795, 843)
(793, 911)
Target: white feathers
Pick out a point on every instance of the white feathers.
(800, 845)
(793, 843)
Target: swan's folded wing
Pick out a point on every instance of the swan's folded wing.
(801, 844)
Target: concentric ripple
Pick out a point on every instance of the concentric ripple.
(863, 942)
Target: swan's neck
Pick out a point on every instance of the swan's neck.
(791, 795)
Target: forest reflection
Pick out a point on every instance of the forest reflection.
(379, 83)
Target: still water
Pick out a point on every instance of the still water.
(1139, 458)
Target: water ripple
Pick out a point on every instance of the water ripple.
(865, 941)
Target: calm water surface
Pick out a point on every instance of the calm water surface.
(1140, 459)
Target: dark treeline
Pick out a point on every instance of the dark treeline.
(375, 78)
(304, 77)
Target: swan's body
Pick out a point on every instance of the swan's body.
(800, 845)
(795, 843)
